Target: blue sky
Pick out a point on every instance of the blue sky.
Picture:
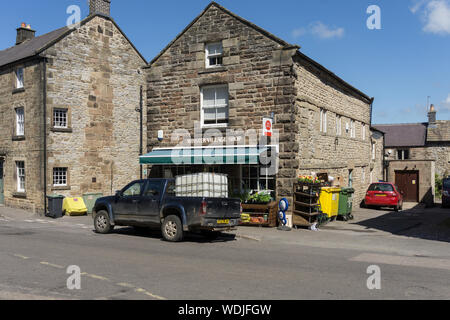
(400, 65)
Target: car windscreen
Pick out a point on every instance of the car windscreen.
(381, 187)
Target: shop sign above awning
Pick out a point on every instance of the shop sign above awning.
(204, 155)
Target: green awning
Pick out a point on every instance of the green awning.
(206, 155)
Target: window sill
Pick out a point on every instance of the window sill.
(215, 126)
(213, 70)
(61, 188)
(18, 138)
(64, 130)
(21, 195)
(18, 90)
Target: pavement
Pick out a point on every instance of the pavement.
(411, 248)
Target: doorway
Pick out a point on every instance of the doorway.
(408, 183)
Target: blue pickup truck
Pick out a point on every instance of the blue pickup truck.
(152, 203)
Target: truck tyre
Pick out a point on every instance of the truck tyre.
(102, 223)
(172, 229)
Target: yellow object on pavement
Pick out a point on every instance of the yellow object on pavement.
(329, 201)
(74, 207)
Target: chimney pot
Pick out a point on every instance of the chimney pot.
(100, 7)
(432, 115)
(24, 33)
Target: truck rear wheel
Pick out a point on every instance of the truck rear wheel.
(101, 223)
(172, 229)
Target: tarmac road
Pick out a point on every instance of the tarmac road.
(258, 264)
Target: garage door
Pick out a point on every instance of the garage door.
(408, 182)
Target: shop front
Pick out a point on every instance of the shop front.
(245, 166)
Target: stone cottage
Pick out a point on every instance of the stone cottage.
(224, 73)
(69, 111)
(415, 153)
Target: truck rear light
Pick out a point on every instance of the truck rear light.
(203, 208)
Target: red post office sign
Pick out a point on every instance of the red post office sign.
(267, 127)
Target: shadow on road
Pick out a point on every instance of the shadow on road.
(156, 234)
(416, 222)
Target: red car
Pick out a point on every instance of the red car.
(384, 194)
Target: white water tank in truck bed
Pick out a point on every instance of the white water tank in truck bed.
(205, 184)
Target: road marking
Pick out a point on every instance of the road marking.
(420, 262)
(94, 276)
(51, 265)
(140, 290)
(126, 285)
(21, 256)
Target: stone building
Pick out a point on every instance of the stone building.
(222, 72)
(69, 103)
(415, 153)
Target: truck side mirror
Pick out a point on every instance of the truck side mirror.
(118, 193)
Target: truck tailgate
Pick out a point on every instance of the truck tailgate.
(223, 208)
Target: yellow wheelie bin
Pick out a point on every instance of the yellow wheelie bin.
(74, 207)
(329, 201)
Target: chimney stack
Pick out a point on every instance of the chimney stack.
(432, 115)
(100, 7)
(24, 33)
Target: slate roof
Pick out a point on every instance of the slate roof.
(404, 135)
(30, 47)
(35, 46)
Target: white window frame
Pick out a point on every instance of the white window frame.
(209, 55)
(19, 78)
(363, 131)
(352, 129)
(20, 174)
(227, 105)
(338, 125)
(60, 177)
(20, 121)
(374, 151)
(60, 115)
(323, 121)
(401, 154)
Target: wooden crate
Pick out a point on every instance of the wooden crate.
(257, 210)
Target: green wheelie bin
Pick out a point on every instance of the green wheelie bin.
(346, 204)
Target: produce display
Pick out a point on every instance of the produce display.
(309, 179)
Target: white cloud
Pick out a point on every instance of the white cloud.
(418, 4)
(435, 15)
(320, 30)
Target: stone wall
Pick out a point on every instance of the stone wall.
(426, 170)
(329, 152)
(94, 73)
(439, 152)
(255, 68)
(28, 148)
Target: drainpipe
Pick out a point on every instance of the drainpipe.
(141, 110)
(44, 94)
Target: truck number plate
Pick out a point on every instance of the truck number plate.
(223, 221)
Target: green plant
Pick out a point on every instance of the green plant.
(260, 198)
